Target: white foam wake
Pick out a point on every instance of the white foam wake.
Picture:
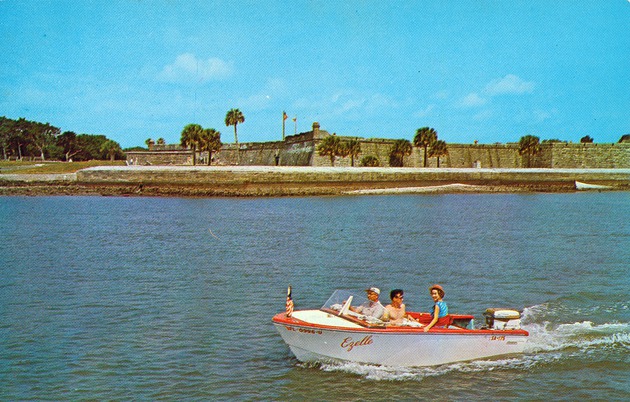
(386, 373)
(582, 335)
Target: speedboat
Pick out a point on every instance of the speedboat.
(334, 333)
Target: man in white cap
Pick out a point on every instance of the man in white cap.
(373, 306)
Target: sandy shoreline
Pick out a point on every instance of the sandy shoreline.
(268, 181)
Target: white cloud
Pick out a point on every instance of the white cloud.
(378, 102)
(425, 112)
(355, 104)
(348, 105)
(274, 89)
(443, 94)
(543, 115)
(258, 101)
(303, 103)
(472, 100)
(510, 84)
(188, 68)
(483, 115)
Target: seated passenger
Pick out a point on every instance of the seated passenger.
(373, 307)
(440, 309)
(395, 312)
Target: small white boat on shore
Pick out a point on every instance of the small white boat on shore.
(333, 333)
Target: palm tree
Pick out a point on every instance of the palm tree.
(210, 142)
(330, 146)
(111, 149)
(344, 149)
(425, 136)
(400, 149)
(529, 145)
(191, 138)
(232, 118)
(161, 141)
(438, 148)
(370, 161)
(352, 149)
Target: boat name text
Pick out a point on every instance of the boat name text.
(348, 343)
(497, 338)
(304, 330)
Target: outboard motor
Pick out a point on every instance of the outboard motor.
(504, 319)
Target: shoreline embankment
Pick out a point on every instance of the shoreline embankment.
(257, 181)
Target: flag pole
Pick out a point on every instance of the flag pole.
(295, 124)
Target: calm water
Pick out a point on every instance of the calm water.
(171, 299)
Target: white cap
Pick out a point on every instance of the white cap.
(374, 289)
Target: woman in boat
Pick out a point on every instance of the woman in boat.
(440, 309)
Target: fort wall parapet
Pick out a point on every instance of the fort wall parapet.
(301, 150)
(590, 155)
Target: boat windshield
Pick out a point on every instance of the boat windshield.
(339, 297)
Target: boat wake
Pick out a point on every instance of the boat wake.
(549, 343)
(549, 335)
(387, 373)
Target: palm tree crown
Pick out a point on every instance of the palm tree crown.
(111, 149)
(529, 145)
(425, 136)
(191, 138)
(210, 142)
(438, 149)
(330, 146)
(233, 118)
(351, 148)
(400, 149)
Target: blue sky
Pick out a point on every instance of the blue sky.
(490, 71)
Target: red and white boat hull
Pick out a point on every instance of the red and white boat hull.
(319, 336)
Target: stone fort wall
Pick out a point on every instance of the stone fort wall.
(301, 150)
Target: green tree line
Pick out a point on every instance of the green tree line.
(23, 138)
(425, 138)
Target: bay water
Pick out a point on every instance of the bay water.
(113, 298)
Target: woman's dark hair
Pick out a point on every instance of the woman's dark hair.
(395, 292)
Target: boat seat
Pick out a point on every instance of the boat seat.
(450, 320)
(444, 322)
